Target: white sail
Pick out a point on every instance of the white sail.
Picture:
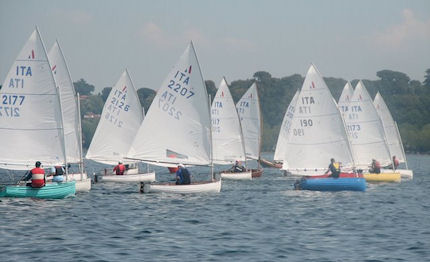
(177, 125)
(121, 117)
(390, 128)
(365, 130)
(285, 129)
(226, 130)
(68, 104)
(30, 112)
(345, 98)
(317, 130)
(248, 109)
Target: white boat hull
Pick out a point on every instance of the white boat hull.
(83, 185)
(146, 177)
(133, 171)
(237, 176)
(198, 187)
(405, 173)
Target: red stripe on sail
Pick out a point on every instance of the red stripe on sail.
(124, 88)
(53, 68)
(189, 70)
(32, 54)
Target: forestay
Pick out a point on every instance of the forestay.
(391, 133)
(317, 130)
(248, 109)
(226, 130)
(365, 130)
(345, 98)
(285, 130)
(121, 117)
(177, 125)
(69, 104)
(30, 114)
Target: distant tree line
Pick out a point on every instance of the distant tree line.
(408, 101)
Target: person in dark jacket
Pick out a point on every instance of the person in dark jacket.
(237, 167)
(334, 168)
(183, 177)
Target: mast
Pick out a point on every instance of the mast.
(261, 126)
(81, 164)
(210, 138)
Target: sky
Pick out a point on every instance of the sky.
(232, 38)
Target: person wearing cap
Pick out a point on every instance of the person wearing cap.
(37, 176)
(183, 177)
(237, 167)
(334, 168)
(375, 167)
(119, 169)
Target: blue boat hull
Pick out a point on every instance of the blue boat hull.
(332, 184)
(50, 191)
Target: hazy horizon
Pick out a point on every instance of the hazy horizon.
(235, 39)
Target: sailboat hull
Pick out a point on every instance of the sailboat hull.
(50, 191)
(247, 175)
(257, 172)
(83, 185)
(197, 187)
(267, 163)
(405, 173)
(383, 177)
(146, 177)
(332, 184)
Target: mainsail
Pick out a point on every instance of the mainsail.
(365, 130)
(177, 126)
(317, 130)
(285, 130)
(121, 117)
(69, 104)
(248, 109)
(345, 98)
(30, 112)
(391, 132)
(226, 129)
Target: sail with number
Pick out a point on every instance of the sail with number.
(390, 127)
(226, 129)
(345, 97)
(248, 109)
(285, 130)
(317, 129)
(177, 125)
(121, 117)
(365, 130)
(69, 104)
(31, 126)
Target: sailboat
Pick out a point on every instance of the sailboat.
(178, 123)
(367, 136)
(121, 117)
(228, 144)
(71, 116)
(345, 98)
(394, 141)
(284, 132)
(248, 108)
(31, 127)
(317, 134)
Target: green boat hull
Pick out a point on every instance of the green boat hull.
(50, 191)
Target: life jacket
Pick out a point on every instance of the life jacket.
(396, 163)
(37, 177)
(58, 171)
(336, 166)
(377, 164)
(119, 169)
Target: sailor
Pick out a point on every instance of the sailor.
(395, 162)
(237, 167)
(375, 167)
(334, 168)
(37, 175)
(119, 169)
(58, 173)
(183, 177)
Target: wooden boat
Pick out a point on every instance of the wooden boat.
(383, 177)
(182, 102)
(146, 177)
(266, 163)
(332, 184)
(49, 191)
(70, 107)
(121, 118)
(256, 172)
(195, 187)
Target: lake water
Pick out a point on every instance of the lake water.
(258, 220)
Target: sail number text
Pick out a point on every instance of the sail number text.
(10, 105)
